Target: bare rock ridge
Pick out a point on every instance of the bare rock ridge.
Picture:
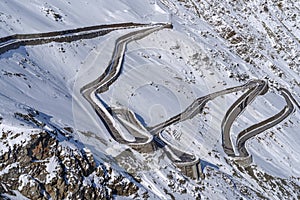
(45, 169)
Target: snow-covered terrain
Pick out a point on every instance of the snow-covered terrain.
(54, 145)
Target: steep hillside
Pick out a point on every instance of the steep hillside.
(169, 99)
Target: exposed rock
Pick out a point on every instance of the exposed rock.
(44, 169)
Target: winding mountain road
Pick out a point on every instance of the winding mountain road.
(149, 139)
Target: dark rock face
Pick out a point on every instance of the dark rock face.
(44, 169)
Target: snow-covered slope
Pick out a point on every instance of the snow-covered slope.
(212, 46)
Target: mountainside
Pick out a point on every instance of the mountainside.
(151, 99)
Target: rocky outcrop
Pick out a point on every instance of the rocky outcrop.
(45, 168)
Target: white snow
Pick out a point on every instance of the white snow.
(51, 168)
(17, 196)
(162, 74)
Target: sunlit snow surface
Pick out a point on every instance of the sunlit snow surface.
(162, 74)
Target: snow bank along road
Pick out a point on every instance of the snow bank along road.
(15, 41)
(149, 139)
